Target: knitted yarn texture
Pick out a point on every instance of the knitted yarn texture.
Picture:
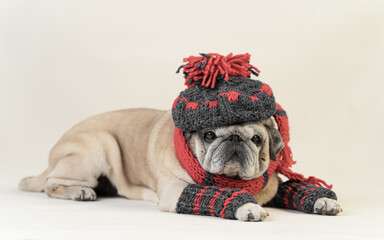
(238, 100)
(300, 196)
(212, 201)
(221, 93)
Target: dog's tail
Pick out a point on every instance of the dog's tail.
(34, 184)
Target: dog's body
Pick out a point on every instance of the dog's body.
(134, 150)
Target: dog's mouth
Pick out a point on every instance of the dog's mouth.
(234, 168)
(236, 176)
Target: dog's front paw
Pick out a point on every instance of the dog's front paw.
(326, 206)
(251, 212)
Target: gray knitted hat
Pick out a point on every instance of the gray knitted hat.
(221, 93)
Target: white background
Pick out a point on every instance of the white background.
(63, 61)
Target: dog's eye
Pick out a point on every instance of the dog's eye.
(256, 140)
(209, 136)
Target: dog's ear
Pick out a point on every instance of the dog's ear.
(275, 142)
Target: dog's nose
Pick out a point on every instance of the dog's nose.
(235, 138)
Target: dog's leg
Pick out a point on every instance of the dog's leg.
(138, 193)
(70, 192)
(306, 197)
(36, 183)
(79, 160)
(181, 197)
(71, 179)
(169, 192)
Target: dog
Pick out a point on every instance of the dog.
(131, 153)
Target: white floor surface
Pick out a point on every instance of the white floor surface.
(25, 215)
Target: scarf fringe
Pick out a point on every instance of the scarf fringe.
(300, 177)
(285, 156)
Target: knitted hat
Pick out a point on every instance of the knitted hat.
(221, 93)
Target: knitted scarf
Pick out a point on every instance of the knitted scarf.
(280, 165)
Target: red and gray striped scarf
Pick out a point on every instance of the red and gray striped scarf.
(280, 165)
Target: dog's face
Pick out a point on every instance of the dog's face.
(242, 150)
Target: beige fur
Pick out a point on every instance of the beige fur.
(134, 149)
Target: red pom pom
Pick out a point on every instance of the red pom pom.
(207, 68)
